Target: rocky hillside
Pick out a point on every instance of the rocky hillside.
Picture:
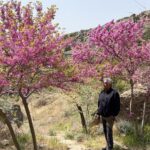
(82, 35)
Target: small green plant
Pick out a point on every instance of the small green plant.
(52, 132)
(69, 135)
(23, 139)
(132, 140)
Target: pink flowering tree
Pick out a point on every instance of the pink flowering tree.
(121, 45)
(87, 59)
(31, 52)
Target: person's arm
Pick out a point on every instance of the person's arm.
(99, 110)
(116, 104)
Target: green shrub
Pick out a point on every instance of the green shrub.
(136, 140)
(125, 127)
(132, 140)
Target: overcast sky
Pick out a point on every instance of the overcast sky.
(74, 15)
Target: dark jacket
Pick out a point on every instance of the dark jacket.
(108, 103)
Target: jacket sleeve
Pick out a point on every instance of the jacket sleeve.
(116, 104)
(99, 106)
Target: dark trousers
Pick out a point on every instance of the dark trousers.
(108, 130)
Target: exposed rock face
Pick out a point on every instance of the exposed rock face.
(140, 94)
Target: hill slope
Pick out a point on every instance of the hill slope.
(82, 35)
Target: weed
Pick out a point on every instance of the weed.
(52, 132)
(69, 135)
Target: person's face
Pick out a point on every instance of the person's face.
(106, 85)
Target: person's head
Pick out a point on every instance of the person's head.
(107, 83)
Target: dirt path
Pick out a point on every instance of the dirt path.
(72, 144)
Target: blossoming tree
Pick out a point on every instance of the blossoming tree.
(31, 52)
(122, 46)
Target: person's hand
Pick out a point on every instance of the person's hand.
(94, 113)
(96, 116)
(95, 120)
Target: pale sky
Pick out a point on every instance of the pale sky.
(75, 15)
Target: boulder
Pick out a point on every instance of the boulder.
(140, 95)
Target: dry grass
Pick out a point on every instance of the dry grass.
(50, 143)
(95, 142)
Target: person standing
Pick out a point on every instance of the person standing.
(108, 109)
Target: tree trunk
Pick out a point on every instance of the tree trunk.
(30, 122)
(143, 117)
(4, 117)
(132, 95)
(83, 121)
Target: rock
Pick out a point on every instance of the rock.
(140, 95)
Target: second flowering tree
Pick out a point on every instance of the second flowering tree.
(118, 48)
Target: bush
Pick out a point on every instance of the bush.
(132, 140)
(125, 127)
(136, 140)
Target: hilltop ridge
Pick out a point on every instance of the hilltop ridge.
(82, 35)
